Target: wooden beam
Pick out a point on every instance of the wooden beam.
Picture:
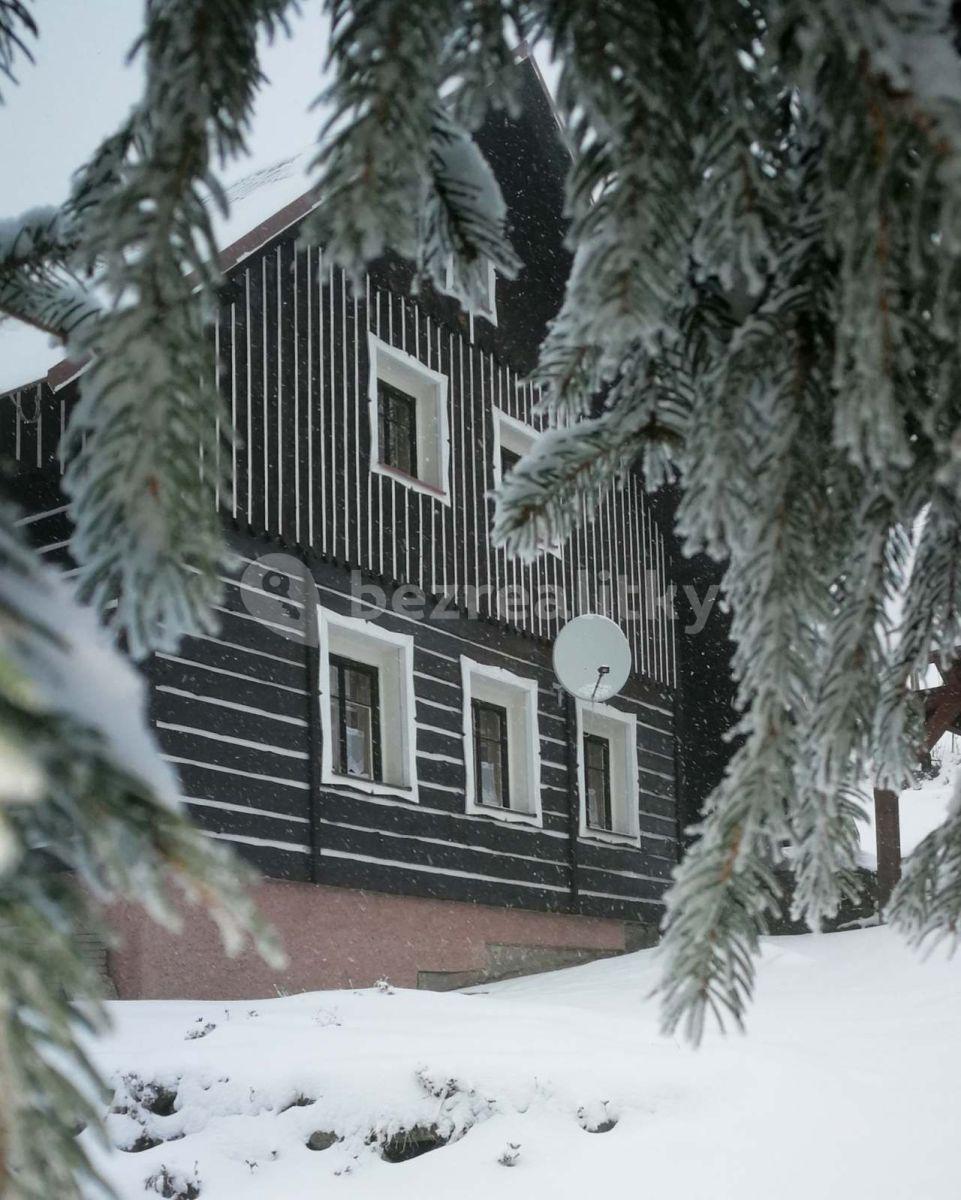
(887, 828)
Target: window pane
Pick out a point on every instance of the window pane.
(596, 814)
(509, 460)
(335, 731)
(358, 739)
(398, 428)
(490, 754)
(491, 774)
(489, 724)
(358, 686)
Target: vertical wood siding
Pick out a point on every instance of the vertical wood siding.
(292, 341)
(289, 353)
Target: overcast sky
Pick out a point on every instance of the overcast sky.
(80, 89)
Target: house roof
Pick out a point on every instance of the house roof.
(269, 192)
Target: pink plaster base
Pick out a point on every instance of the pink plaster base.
(334, 938)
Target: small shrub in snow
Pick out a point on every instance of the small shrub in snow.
(412, 1143)
(596, 1118)
(200, 1031)
(510, 1154)
(173, 1186)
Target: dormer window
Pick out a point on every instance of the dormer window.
(409, 435)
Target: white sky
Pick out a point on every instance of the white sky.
(79, 90)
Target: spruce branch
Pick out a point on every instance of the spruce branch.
(16, 27)
(396, 164)
(142, 445)
(83, 788)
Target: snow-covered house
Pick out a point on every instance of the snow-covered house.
(376, 725)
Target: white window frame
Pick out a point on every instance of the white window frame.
(520, 437)
(393, 655)
(620, 729)
(519, 696)
(429, 390)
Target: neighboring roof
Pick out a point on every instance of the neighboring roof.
(271, 193)
(262, 203)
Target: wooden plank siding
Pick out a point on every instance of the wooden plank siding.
(233, 715)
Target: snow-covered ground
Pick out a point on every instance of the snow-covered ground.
(845, 1086)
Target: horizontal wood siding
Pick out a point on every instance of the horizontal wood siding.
(233, 715)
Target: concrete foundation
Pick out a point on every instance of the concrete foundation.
(342, 938)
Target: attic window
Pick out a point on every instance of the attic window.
(489, 308)
(397, 428)
(409, 436)
(512, 440)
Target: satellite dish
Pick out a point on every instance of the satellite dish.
(592, 657)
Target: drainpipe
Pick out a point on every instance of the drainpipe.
(573, 816)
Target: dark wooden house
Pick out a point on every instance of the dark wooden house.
(376, 725)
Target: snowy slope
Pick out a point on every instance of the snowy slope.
(844, 1087)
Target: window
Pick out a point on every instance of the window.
(501, 744)
(367, 706)
(607, 774)
(397, 417)
(409, 434)
(509, 460)
(491, 766)
(489, 309)
(512, 440)
(355, 719)
(597, 781)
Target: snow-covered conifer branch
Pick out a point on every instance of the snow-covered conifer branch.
(396, 168)
(84, 787)
(143, 447)
(38, 282)
(16, 26)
